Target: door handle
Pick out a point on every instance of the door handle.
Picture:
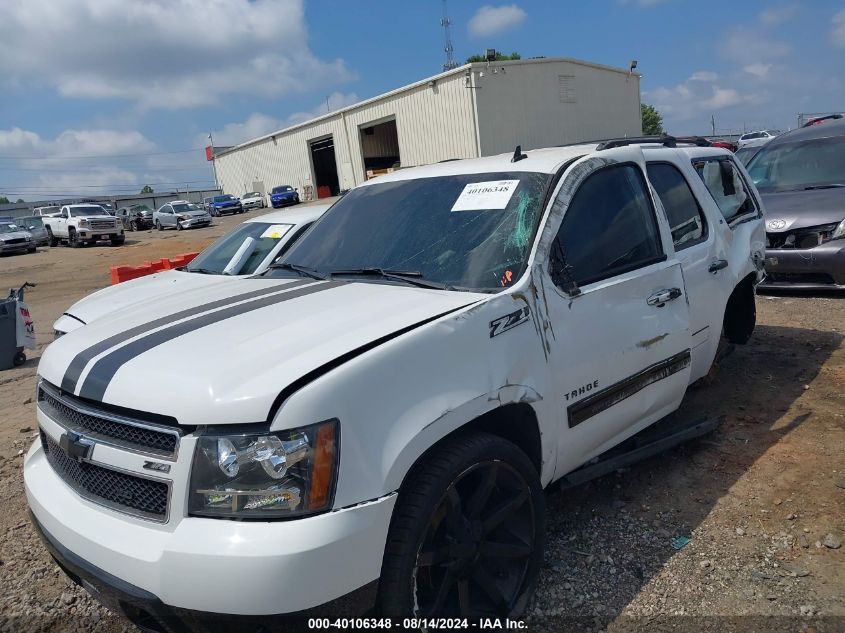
(661, 297)
(717, 265)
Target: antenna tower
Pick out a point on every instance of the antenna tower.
(445, 22)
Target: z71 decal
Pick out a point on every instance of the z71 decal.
(509, 321)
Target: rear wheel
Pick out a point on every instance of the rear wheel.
(18, 359)
(467, 533)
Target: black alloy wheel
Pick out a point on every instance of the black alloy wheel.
(467, 534)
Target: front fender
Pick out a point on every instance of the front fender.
(397, 400)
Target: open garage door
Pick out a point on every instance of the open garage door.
(325, 167)
(380, 148)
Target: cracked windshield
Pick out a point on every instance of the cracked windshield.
(468, 231)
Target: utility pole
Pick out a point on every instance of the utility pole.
(445, 22)
(713, 125)
(213, 161)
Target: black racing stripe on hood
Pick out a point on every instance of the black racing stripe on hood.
(101, 374)
(314, 374)
(81, 360)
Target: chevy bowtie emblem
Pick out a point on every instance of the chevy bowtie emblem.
(76, 446)
(775, 225)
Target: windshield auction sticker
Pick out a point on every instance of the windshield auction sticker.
(480, 196)
(276, 231)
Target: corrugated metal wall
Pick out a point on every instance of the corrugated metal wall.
(432, 122)
(542, 103)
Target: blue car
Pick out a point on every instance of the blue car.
(218, 205)
(283, 195)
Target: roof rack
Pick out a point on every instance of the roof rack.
(819, 119)
(663, 139)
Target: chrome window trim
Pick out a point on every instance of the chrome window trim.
(107, 441)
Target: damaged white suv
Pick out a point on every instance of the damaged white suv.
(373, 422)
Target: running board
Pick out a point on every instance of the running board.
(647, 443)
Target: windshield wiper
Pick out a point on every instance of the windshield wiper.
(302, 270)
(413, 277)
(830, 186)
(202, 271)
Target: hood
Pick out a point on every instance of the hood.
(283, 194)
(800, 209)
(15, 235)
(226, 203)
(222, 353)
(195, 213)
(137, 293)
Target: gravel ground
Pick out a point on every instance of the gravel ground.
(740, 530)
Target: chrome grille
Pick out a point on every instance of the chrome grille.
(115, 489)
(107, 427)
(102, 224)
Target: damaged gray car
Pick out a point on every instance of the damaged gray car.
(801, 177)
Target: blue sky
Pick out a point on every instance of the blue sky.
(103, 96)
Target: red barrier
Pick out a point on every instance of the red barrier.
(125, 273)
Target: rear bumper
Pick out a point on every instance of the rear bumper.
(813, 268)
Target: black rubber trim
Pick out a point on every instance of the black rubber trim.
(81, 360)
(101, 374)
(149, 613)
(68, 314)
(587, 408)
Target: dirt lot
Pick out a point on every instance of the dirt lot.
(761, 500)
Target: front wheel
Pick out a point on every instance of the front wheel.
(467, 534)
(179, 226)
(133, 225)
(118, 241)
(73, 239)
(53, 240)
(18, 359)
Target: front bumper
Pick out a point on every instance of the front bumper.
(189, 224)
(149, 613)
(16, 248)
(222, 210)
(819, 267)
(257, 204)
(213, 565)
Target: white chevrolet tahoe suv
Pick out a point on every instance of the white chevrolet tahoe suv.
(80, 224)
(372, 422)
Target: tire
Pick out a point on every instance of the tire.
(72, 239)
(159, 227)
(51, 238)
(31, 250)
(179, 226)
(740, 314)
(133, 226)
(18, 359)
(488, 545)
(118, 241)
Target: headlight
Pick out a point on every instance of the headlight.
(839, 231)
(183, 217)
(83, 222)
(267, 475)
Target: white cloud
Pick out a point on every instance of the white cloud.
(704, 75)
(693, 97)
(490, 20)
(162, 53)
(26, 144)
(758, 69)
(747, 46)
(837, 35)
(777, 15)
(258, 124)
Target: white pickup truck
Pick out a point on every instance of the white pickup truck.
(80, 224)
(373, 422)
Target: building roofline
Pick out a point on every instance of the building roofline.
(422, 82)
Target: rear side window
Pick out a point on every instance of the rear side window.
(610, 226)
(727, 186)
(682, 210)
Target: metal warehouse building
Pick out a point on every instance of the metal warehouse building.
(475, 110)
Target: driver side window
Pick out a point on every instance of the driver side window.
(610, 228)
